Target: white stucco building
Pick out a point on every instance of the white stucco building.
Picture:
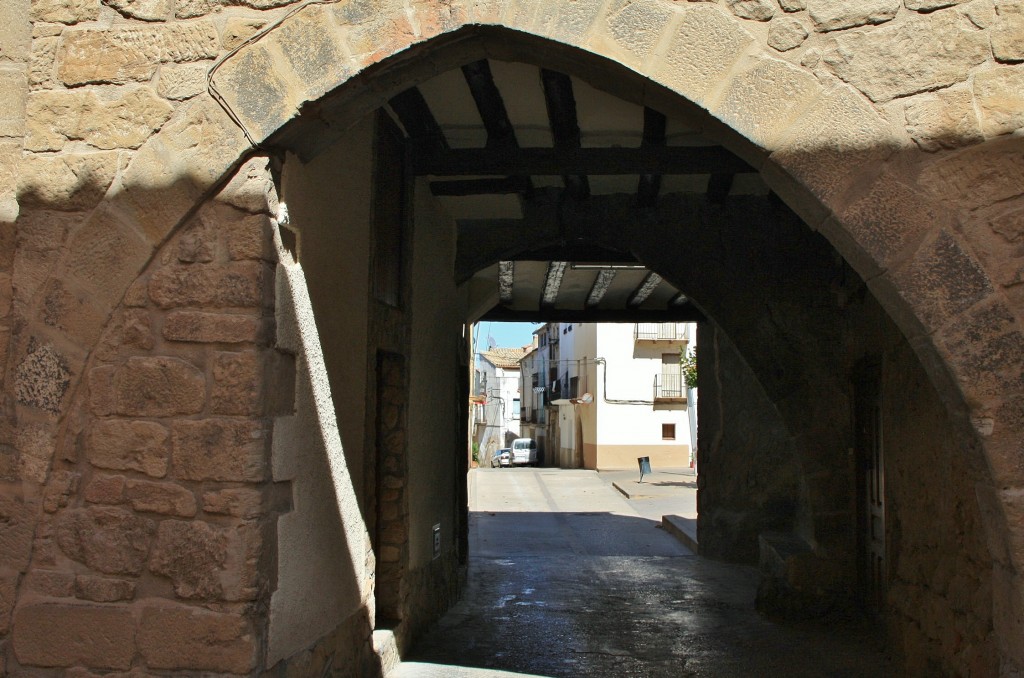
(614, 392)
(497, 392)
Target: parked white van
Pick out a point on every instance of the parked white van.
(524, 452)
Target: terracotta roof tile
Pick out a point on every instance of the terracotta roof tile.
(505, 358)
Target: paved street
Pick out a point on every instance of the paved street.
(569, 577)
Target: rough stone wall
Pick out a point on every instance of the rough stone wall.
(889, 127)
(750, 475)
(157, 514)
(940, 569)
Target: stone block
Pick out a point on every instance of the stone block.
(837, 137)
(229, 450)
(765, 100)
(106, 254)
(889, 220)
(42, 377)
(65, 11)
(193, 555)
(234, 285)
(213, 328)
(69, 181)
(90, 635)
(907, 58)
(239, 29)
(17, 523)
(236, 384)
(786, 33)
(312, 47)
(978, 176)
(35, 446)
(107, 539)
(103, 589)
(105, 490)
(985, 349)
(166, 499)
(13, 91)
(130, 52)
(145, 10)
(703, 50)
(72, 310)
(1000, 98)
(15, 30)
(182, 81)
(254, 84)
(125, 120)
(637, 27)
(832, 15)
(1006, 31)
(53, 583)
(187, 638)
(59, 490)
(42, 73)
(239, 502)
(250, 238)
(941, 281)
(931, 5)
(756, 10)
(945, 120)
(151, 387)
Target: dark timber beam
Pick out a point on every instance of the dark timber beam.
(679, 314)
(644, 290)
(554, 161)
(719, 185)
(419, 123)
(601, 284)
(649, 185)
(497, 186)
(552, 283)
(506, 280)
(679, 299)
(565, 128)
(489, 103)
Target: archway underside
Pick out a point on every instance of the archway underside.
(126, 316)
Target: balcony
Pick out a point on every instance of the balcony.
(669, 388)
(661, 332)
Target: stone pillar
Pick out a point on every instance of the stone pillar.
(15, 49)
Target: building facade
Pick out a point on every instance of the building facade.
(613, 393)
(496, 408)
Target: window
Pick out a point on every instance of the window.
(516, 408)
(668, 431)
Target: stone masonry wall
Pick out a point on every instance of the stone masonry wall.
(157, 517)
(892, 127)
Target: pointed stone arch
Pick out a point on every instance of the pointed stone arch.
(917, 227)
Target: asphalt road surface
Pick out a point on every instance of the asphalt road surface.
(568, 578)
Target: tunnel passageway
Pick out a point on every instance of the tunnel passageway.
(568, 578)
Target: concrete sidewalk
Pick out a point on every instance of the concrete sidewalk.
(668, 495)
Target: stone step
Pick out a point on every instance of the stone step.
(683, 529)
(386, 649)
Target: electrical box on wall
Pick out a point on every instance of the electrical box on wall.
(437, 540)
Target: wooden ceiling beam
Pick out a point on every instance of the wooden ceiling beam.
(489, 103)
(719, 185)
(488, 186)
(655, 125)
(679, 314)
(644, 290)
(576, 161)
(419, 123)
(565, 128)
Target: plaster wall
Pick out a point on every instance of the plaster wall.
(322, 549)
(437, 322)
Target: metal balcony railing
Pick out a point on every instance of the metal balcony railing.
(669, 387)
(660, 332)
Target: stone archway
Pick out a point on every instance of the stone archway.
(916, 226)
